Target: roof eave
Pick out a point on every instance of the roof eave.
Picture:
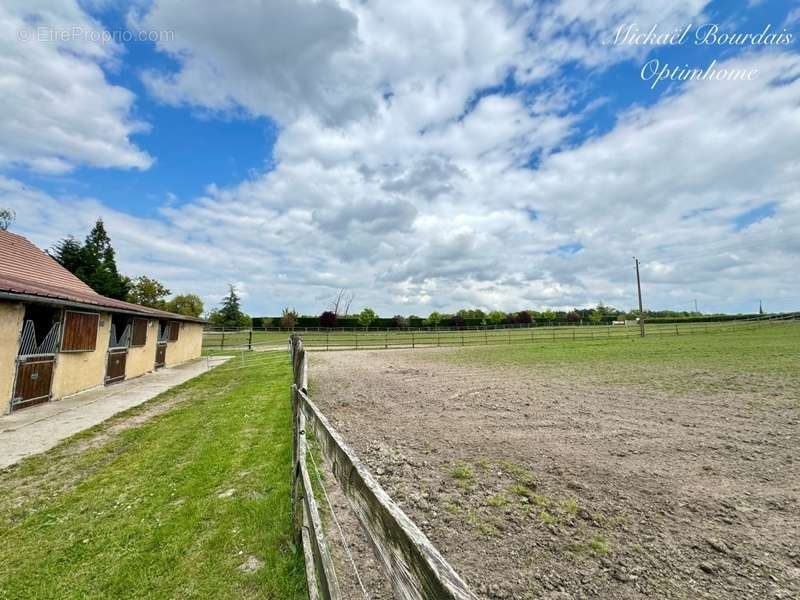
(42, 299)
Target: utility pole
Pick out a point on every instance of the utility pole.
(695, 306)
(639, 290)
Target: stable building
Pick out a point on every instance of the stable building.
(59, 337)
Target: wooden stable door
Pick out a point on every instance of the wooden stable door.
(161, 354)
(34, 378)
(115, 368)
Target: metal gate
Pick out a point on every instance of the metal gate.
(161, 343)
(35, 366)
(161, 354)
(34, 378)
(117, 354)
(115, 368)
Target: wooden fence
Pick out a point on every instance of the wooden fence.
(413, 566)
(409, 338)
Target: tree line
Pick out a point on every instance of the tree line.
(94, 262)
(367, 317)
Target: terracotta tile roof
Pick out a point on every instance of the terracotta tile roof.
(27, 270)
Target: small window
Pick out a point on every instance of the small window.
(80, 332)
(120, 334)
(174, 330)
(163, 331)
(139, 332)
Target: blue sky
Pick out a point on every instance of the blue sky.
(193, 148)
(250, 131)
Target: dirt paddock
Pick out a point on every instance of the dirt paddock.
(534, 484)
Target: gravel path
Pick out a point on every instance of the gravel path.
(540, 485)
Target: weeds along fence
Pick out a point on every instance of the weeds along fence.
(404, 338)
(413, 566)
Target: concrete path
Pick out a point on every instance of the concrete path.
(39, 428)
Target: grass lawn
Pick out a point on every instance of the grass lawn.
(762, 359)
(177, 506)
(217, 342)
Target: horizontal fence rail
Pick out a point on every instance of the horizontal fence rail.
(413, 566)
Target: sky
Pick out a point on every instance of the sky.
(425, 155)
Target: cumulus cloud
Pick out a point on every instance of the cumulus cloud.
(270, 58)
(401, 174)
(664, 183)
(57, 111)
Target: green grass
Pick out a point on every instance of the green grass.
(167, 509)
(499, 500)
(597, 545)
(464, 475)
(217, 343)
(753, 359)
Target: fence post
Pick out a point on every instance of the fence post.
(486, 334)
(386, 340)
(412, 338)
(222, 341)
(250, 341)
(294, 437)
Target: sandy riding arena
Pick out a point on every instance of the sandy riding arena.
(587, 472)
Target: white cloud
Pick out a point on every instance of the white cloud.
(333, 59)
(387, 185)
(792, 18)
(311, 226)
(57, 110)
(271, 58)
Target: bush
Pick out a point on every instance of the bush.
(288, 318)
(366, 317)
(475, 314)
(434, 319)
(415, 321)
(497, 317)
(456, 321)
(327, 319)
(523, 317)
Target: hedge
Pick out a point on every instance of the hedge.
(419, 322)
